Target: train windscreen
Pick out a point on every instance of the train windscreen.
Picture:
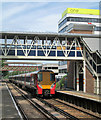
(52, 77)
(40, 77)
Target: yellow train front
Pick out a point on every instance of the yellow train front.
(40, 82)
(46, 83)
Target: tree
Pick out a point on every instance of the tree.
(4, 73)
(62, 83)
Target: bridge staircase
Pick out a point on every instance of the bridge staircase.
(93, 64)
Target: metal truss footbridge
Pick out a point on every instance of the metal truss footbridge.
(42, 46)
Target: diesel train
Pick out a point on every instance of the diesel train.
(41, 82)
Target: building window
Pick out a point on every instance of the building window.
(63, 22)
(78, 19)
(65, 28)
(97, 29)
(63, 71)
(62, 63)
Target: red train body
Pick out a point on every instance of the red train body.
(41, 82)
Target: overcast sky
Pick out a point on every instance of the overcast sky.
(37, 16)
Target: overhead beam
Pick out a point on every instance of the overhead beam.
(43, 34)
(21, 63)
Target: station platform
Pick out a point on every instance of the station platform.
(81, 94)
(8, 108)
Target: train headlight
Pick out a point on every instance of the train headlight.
(39, 85)
(52, 85)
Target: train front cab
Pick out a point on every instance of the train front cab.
(46, 83)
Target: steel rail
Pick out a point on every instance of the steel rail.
(71, 117)
(25, 117)
(66, 113)
(46, 113)
(77, 109)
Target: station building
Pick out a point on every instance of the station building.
(62, 66)
(51, 66)
(82, 21)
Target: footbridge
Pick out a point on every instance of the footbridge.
(45, 46)
(53, 46)
(21, 66)
(18, 68)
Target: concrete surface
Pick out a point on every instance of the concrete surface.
(7, 106)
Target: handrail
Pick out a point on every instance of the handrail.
(90, 66)
(97, 52)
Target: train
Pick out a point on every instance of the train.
(41, 82)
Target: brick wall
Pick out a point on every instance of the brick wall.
(89, 82)
(82, 31)
(70, 70)
(68, 62)
(70, 80)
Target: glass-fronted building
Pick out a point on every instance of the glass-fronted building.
(79, 16)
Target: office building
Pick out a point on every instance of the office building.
(79, 21)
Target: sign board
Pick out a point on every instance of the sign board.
(81, 11)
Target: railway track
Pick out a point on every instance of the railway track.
(32, 108)
(68, 110)
(54, 109)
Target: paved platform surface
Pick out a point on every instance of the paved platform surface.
(7, 107)
(83, 95)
